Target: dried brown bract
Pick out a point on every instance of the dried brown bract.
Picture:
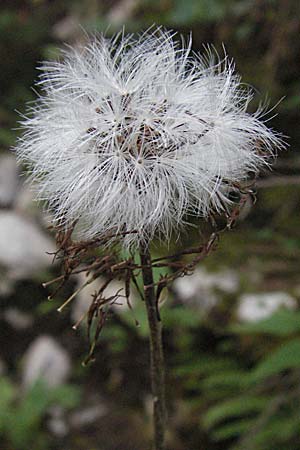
(93, 258)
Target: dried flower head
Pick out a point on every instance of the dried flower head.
(134, 133)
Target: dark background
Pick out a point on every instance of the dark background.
(232, 331)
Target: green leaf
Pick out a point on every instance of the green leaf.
(8, 393)
(180, 316)
(281, 323)
(279, 429)
(287, 356)
(191, 11)
(171, 317)
(23, 422)
(137, 314)
(232, 429)
(116, 337)
(203, 365)
(240, 406)
(231, 379)
(67, 396)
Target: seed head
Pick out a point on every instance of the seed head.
(136, 133)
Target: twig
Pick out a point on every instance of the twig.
(156, 349)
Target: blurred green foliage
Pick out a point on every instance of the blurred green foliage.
(249, 404)
(22, 416)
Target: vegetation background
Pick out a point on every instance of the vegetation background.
(232, 331)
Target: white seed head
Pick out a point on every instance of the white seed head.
(133, 134)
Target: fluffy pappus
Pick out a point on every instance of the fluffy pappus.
(136, 133)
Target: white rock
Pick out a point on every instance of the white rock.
(9, 181)
(18, 319)
(88, 416)
(57, 423)
(83, 300)
(255, 307)
(58, 427)
(23, 245)
(45, 359)
(24, 202)
(200, 289)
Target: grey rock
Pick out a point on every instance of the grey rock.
(23, 245)
(9, 181)
(83, 300)
(24, 202)
(45, 359)
(58, 427)
(57, 423)
(255, 307)
(123, 11)
(88, 416)
(18, 319)
(201, 289)
(67, 29)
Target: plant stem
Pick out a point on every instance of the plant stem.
(156, 349)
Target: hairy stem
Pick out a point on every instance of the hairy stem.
(156, 349)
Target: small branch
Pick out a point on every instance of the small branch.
(188, 251)
(156, 349)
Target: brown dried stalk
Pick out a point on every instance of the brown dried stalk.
(93, 259)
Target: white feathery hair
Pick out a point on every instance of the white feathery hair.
(136, 133)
